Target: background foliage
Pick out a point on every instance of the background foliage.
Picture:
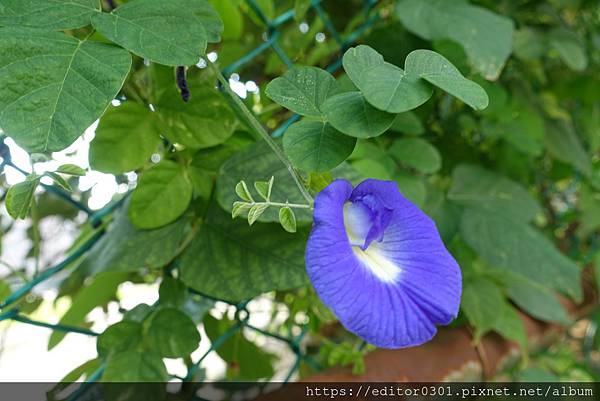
(486, 114)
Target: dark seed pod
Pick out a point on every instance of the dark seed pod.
(182, 84)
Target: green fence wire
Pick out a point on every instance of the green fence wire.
(9, 306)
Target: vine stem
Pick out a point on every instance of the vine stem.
(260, 130)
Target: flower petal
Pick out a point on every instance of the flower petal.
(394, 292)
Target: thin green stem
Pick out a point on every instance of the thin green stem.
(262, 133)
(279, 204)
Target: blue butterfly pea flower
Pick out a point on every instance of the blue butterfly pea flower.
(378, 262)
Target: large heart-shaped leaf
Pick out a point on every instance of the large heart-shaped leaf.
(517, 247)
(259, 163)
(316, 146)
(166, 32)
(53, 86)
(50, 14)
(486, 37)
(232, 261)
(125, 139)
(436, 69)
(302, 90)
(162, 195)
(351, 114)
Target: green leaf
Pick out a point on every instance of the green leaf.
(98, 292)
(316, 146)
(302, 90)
(589, 205)
(230, 260)
(138, 313)
(162, 195)
(412, 187)
(300, 9)
(417, 153)
(206, 164)
(20, 196)
(481, 301)
(202, 122)
(120, 337)
(48, 14)
(209, 16)
(72, 169)
(570, 48)
(84, 370)
(485, 36)
(538, 375)
(264, 188)
(256, 211)
(240, 208)
(518, 248)
(318, 181)
(172, 333)
(357, 60)
(437, 70)
(174, 293)
(370, 168)
(53, 86)
(445, 214)
(241, 189)
(511, 327)
(254, 164)
(287, 218)
(520, 125)
(350, 113)
(135, 366)
(390, 88)
(125, 139)
(246, 360)
(564, 144)
(168, 33)
(408, 123)
(529, 43)
(537, 300)
(125, 248)
(479, 188)
(5, 290)
(233, 20)
(58, 180)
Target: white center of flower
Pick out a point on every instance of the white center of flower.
(357, 223)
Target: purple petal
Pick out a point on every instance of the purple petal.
(378, 262)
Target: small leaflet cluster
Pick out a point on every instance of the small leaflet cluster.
(254, 209)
